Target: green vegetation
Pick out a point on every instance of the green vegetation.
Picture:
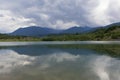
(4, 37)
(111, 33)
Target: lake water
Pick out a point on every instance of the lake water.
(60, 60)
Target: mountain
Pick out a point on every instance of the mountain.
(40, 31)
(104, 34)
(34, 31)
(109, 32)
(113, 24)
(76, 29)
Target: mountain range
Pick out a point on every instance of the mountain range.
(40, 31)
(34, 31)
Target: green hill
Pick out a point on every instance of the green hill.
(109, 33)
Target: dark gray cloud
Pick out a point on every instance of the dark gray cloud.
(59, 14)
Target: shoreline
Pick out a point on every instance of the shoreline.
(21, 43)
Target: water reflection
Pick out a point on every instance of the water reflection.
(10, 59)
(61, 65)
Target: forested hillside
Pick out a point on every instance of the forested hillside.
(111, 33)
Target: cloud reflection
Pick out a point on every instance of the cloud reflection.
(106, 68)
(81, 67)
(10, 59)
(101, 64)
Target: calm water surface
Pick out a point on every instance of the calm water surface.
(59, 60)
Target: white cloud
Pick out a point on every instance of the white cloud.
(10, 22)
(99, 13)
(64, 25)
(59, 14)
(113, 11)
(44, 16)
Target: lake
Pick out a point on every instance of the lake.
(85, 60)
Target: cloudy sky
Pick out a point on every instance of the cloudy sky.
(58, 14)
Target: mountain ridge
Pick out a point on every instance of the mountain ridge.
(41, 31)
(34, 31)
(38, 31)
